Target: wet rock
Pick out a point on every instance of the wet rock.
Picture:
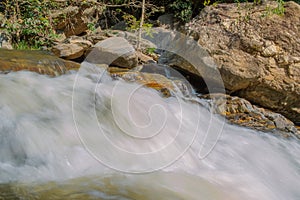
(36, 61)
(114, 51)
(113, 70)
(155, 81)
(165, 86)
(242, 112)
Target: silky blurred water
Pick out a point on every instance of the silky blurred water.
(50, 147)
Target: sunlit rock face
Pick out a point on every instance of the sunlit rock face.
(257, 52)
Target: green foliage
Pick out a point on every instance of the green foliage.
(150, 50)
(182, 10)
(91, 26)
(28, 22)
(206, 2)
(23, 45)
(134, 24)
(131, 21)
(279, 10)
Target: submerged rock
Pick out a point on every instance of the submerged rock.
(36, 61)
(242, 112)
(159, 82)
(155, 81)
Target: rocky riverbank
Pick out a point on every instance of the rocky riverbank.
(257, 53)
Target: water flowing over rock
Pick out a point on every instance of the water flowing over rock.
(257, 52)
(155, 81)
(36, 61)
(42, 156)
(168, 87)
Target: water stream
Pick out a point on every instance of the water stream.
(47, 154)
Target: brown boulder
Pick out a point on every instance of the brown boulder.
(70, 20)
(36, 61)
(73, 48)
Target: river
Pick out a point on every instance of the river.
(64, 141)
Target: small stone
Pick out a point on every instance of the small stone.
(270, 51)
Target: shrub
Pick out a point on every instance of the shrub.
(28, 22)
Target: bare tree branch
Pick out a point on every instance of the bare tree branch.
(141, 26)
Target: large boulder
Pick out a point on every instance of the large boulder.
(115, 51)
(257, 52)
(187, 56)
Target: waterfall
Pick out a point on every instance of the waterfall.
(74, 137)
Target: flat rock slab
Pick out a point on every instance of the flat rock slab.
(36, 61)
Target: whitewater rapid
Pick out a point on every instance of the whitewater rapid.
(49, 133)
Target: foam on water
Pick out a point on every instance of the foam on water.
(39, 143)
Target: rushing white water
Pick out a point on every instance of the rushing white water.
(40, 142)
